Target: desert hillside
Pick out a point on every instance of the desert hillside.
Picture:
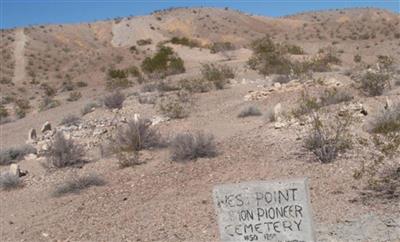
(118, 130)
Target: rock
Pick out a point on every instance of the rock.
(14, 170)
(278, 112)
(158, 119)
(30, 157)
(277, 85)
(46, 127)
(388, 104)
(99, 131)
(136, 117)
(279, 125)
(32, 135)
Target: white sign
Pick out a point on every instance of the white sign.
(264, 211)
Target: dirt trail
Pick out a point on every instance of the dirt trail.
(19, 55)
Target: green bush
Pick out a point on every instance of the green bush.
(185, 41)
(142, 42)
(164, 62)
(294, 49)
(118, 83)
(117, 73)
(3, 112)
(269, 58)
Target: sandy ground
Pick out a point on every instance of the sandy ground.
(19, 56)
(163, 200)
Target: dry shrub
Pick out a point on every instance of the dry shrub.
(48, 103)
(63, 152)
(249, 111)
(174, 107)
(12, 155)
(89, 107)
(374, 83)
(114, 100)
(70, 120)
(327, 139)
(9, 181)
(219, 75)
(74, 96)
(77, 184)
(335, 96)
(188, 146)
(387, 121)
(132, 138)
(196, 85)
(137, 135)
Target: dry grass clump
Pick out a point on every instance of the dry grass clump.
(249, 111)
(327, 139)
(218, 75)
(48, 103)
(188, 146)
(89, 107)
(137, 135)
(114, 100)
(12, 155)
(77, 184)
(387, 121)
(383, 173)
(132, 138)
(74, 96)
(335, 96)
(196, 85)
(63, 152)
(374, 83)
(9, 181)
(175, 107)
(70, 120)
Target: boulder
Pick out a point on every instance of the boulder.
(46, 127)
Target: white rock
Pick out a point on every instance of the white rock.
(279, 125)
(14, 170)
(30, 157)
(277, 85)
(32, 135)
(278, 112)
